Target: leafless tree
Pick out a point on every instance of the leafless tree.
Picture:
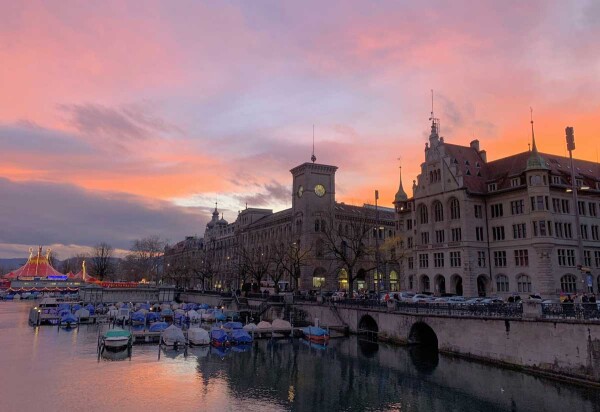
(293, 258)
(256, 261)
(346, 241)
(180, 271)
(102, 264)
(74, 263)
(146, 257)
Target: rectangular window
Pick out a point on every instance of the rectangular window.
(587, 258)
(595, 232)
(492, 187)
(584, 232)
(539, 228)
(411, 263)
(498, 233)
(409, 242)
(481, 259)
(592, 209)
(581, 207)
(479, 233)
(438, 260)
(424, 238)
(423, 260)
(515, 182)
(517, 206)
(496, 210)
(597, 258)
(478, 211)
(556, 180)
(565, 206)
(455, 260)
(519, 231)
(456, 234)
(555, 205)
(521, 257)
(440, 236)
(539, 203)
(566, 257)
(409, 224)
(500, 258)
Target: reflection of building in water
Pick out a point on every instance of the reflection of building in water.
(501, 227)
(390, 378)
(301, 232)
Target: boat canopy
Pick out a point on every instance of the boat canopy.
(173, 333)
(218, 335)
(241, 336)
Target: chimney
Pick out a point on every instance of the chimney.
(483, 155)
(475, 144)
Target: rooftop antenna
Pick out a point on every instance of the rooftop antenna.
(435, 123)
(313, 157)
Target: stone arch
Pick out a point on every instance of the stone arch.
(440, 284)
(457, 284)
(423, 335)
(368, 325)
(318, 277)
(482, 285)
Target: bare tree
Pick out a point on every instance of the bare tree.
(102, 265)
(180, 271)
(294, 258)
(346, 240)
(205, 266)
(146, 257)
(74, 263)
(256, 262)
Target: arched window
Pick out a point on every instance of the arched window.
(423, 214)
(438, 212)
(568, 284)
(501, 283)
(454, 209)
(394, 281)
(524, 284)
(411, 282)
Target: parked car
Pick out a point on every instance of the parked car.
(457, 300)
(421, 298)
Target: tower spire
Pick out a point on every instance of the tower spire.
(313, 158)
(535, 161)
(400, 194)
(435, 123)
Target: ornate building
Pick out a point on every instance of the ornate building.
(306, 233)
(527, 223)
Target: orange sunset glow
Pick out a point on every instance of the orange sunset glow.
(132, 118)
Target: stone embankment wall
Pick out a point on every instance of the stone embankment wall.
(570, 349)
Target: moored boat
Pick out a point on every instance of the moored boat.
(240, 337)
(316, 334)
(116, 340)
(68, 321)
(173, 337)
(218, 337)
(158, 326)
(198, 336)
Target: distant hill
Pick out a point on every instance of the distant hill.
(12, 263)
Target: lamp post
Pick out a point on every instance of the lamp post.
(570, 137)
(377, 274)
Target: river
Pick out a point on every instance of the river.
(43, 369)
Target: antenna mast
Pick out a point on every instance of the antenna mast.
(313, 157)
(435, 123)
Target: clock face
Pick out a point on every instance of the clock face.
(320, 190)
(300, 190)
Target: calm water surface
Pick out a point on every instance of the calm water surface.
(45, 370)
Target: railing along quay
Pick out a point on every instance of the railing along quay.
(580, 311)
(486, 311)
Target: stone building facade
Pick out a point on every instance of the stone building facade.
(258, 232)
(509, 226)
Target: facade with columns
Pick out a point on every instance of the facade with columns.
(260, 231)
(509, 226)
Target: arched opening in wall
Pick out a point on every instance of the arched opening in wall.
(361, 277)
(482, 285)
(394, 286)
(457, 285)
(423, 350)
(318, 278)
(425, 283)
(367, 327)
(440, 285)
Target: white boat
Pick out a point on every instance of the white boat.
(116, 340)
(198, 336)
(263, 325)
(193, 316)
(281, 325)
(82, 314)
(123, 315)
(173, 337)
(250, 327)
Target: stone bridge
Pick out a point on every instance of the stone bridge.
(566, 349)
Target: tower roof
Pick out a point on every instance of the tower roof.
(401, 195)
(36, 266)
(535, 161)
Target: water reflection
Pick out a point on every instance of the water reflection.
(348, 375)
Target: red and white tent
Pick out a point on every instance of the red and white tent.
(36, 266)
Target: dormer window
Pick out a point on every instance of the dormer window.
(535, 180)
(578, 183)
(455, 161)
(477, 164)
(556, 180)
(467, 163)
(492, 187)
(515, 182)
(478, 173)
(468, 172)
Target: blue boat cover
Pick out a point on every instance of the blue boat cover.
(233, 325)
(158, 326)
(68, 318)
(76, 307)
(166, 312)
(204, 306)
(219, 315)
(145, 306)
(89, 307)
(218, 335)
(63, 312)
(314, 331)
(152, 316)
(138, 317)
(240, 336)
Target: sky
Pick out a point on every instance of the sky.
(124, 119)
